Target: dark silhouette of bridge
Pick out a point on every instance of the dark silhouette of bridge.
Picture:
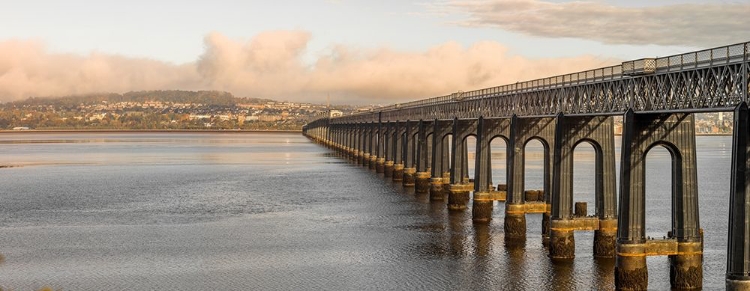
(657, 97)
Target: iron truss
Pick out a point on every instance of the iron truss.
(707, 80)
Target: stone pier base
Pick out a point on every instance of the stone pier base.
(388, 169)
(481, 210)
(605, 239)
(631, 272)
(422, 182)
(458, 197)
(515, 223)
(562, 244)
(738, 284)
(410, 177)
(436, 189)
(366, 160)
(380, 165)
(686, 270)
(398, 172)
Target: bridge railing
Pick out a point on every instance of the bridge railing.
(720, 56)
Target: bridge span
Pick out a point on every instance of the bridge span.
(657, 97)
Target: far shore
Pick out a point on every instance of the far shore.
(149, 131)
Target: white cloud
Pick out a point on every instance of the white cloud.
(273, 65)
(697, 25)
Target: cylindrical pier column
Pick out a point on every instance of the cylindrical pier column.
(388, 169)
(605, 238)
(409, 177)
(436, 189)
(631, 272)
(458, 197)
(686, 270)
(422, 182)
(738, 283)
(398, 172)
(515, 222)
(380, 165)
(366, 160)
(360, 158)
(373, 162)
(562, 243)
(481, 210)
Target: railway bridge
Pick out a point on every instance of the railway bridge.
(422, 144)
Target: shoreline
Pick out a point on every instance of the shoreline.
(5, 131)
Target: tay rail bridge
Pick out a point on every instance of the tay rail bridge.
(422, 144)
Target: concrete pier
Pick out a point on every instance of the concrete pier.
(388, 169)
(398, 172)
(481, 210)
(458, 196)
(409, 177)
(380, 165)
(437, 191)
(422, 182)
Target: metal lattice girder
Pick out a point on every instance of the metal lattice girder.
(707, 80)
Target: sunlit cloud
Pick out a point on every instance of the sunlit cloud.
(698, 25)
(276, 64)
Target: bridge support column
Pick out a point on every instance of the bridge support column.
(514, 225)
(738, 246)
(437, 191)
(422, 182)
(380, 165)
(571, 131)
(562, 244)
(605, 239)
(373, 162)
(481, 208)
(676, 132)
(398, 172)
(366, 160)
(410, 177)
(388, 169)
(458, 196)
(631, 272)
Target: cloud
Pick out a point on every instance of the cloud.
(27, 69)
(275, 64)
(697, 25)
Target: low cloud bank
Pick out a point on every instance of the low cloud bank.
(273, 65)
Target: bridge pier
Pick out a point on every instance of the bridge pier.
(571, 131)
(409, 179)
(422, 182)
(460, 187)
(738, 246)
(523, 130)
(641, 132)
(380, 165)
(440, 170)
(422, 173)
(388, 169)
(487, 129)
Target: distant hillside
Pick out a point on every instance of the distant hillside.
(174, 96)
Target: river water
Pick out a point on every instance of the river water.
(263, 211)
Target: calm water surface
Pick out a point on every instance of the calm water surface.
(167, 211)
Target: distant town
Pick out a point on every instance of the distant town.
(163, 110)
(202, 110)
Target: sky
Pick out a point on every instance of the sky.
(356, 52)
